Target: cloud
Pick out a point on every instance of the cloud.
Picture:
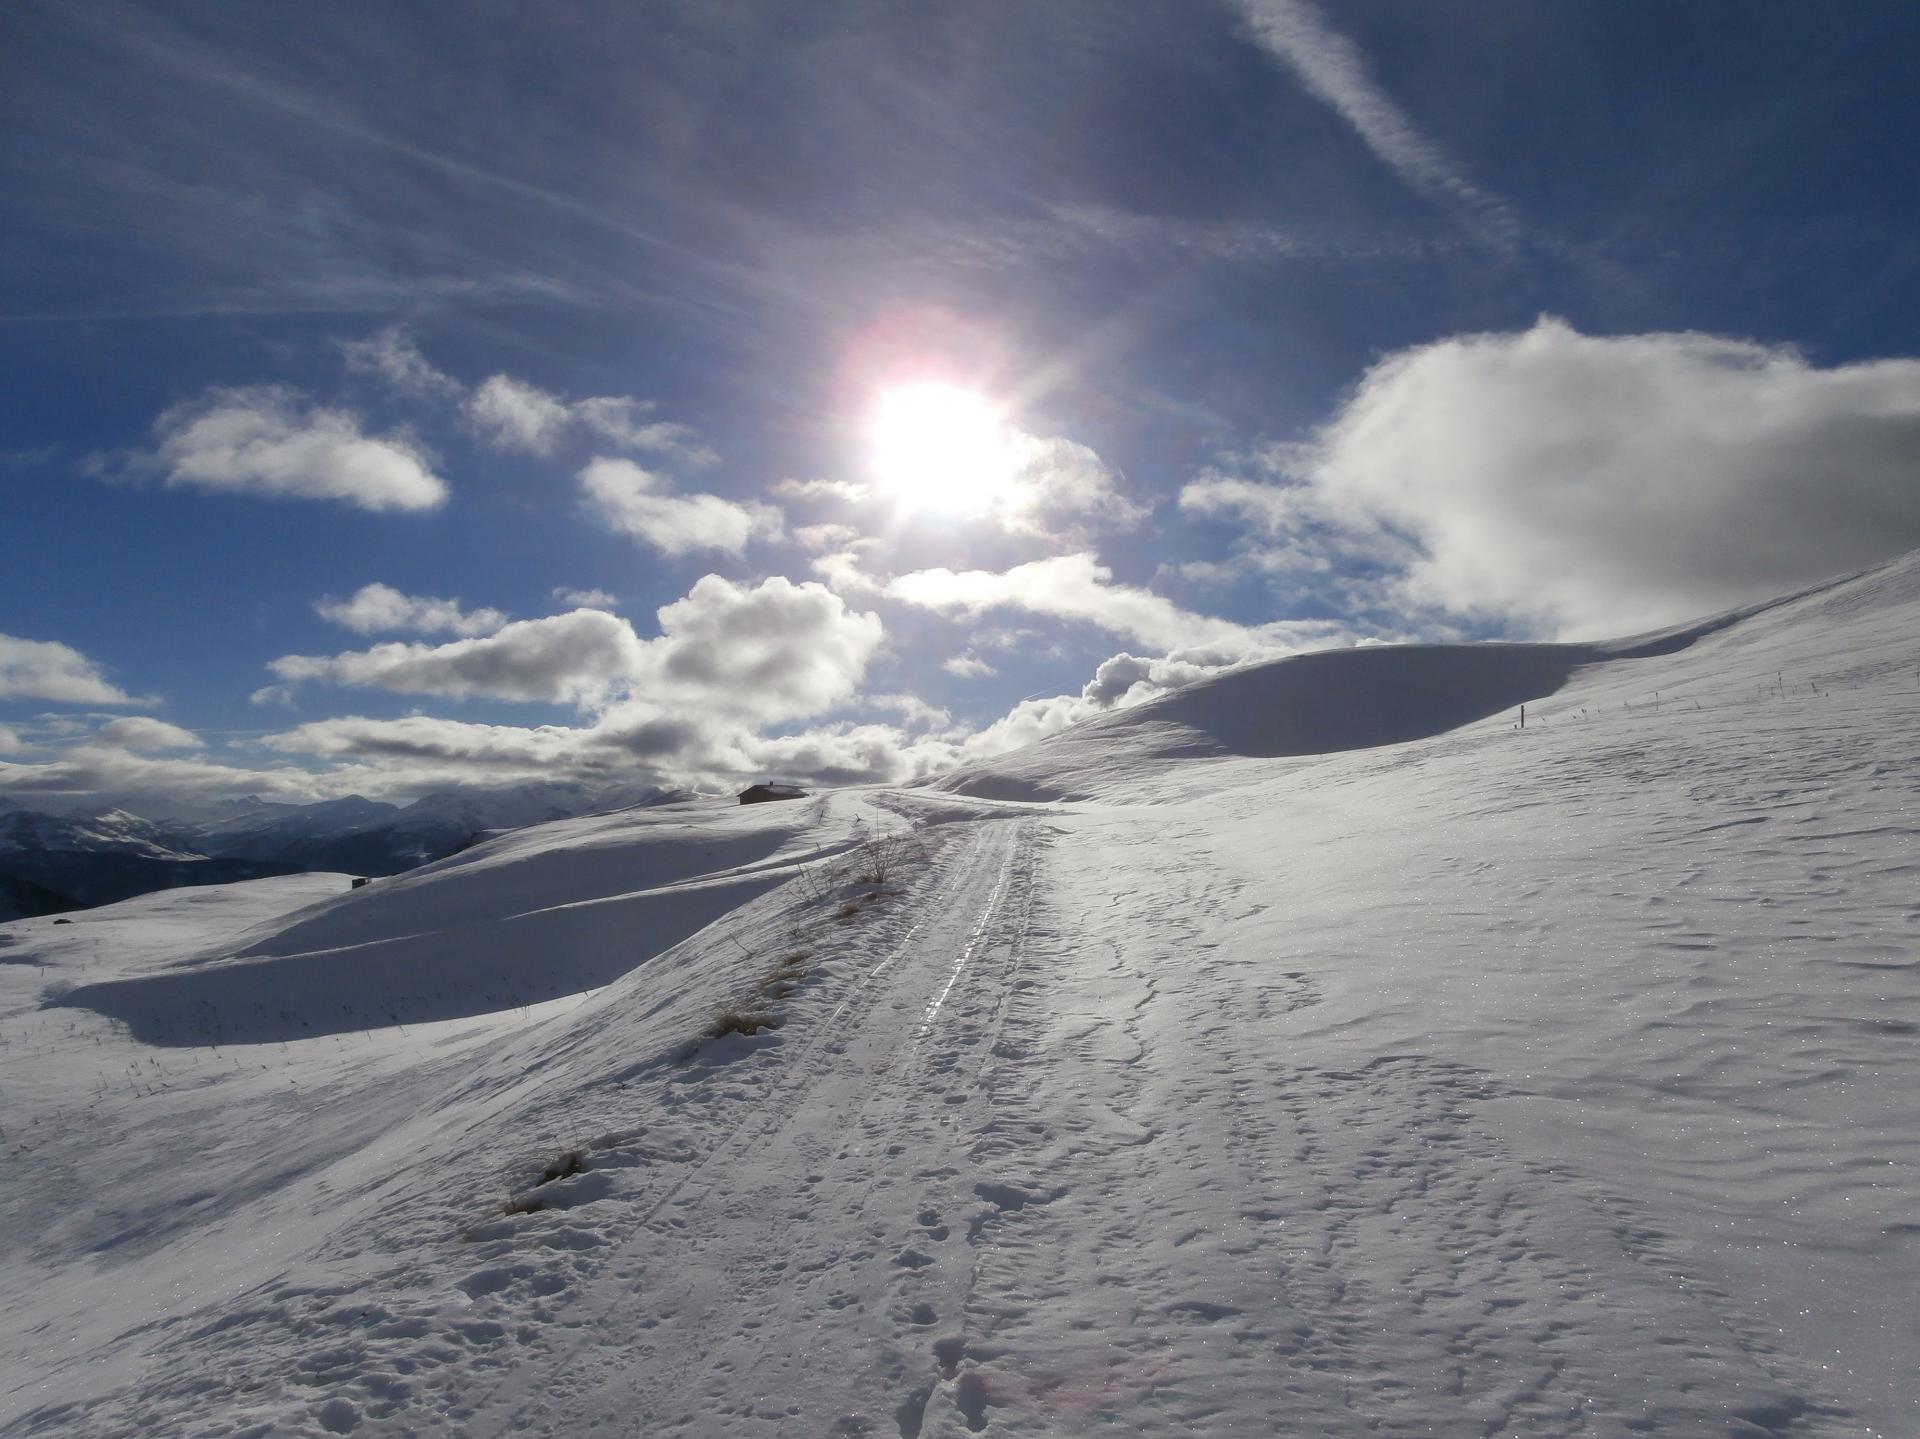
(1334, 71)
(825, 537)
(269, 441)
(1592, 485)
(968, 666)
(430, 739)
(376, 607)
(848, 491)
(669, 749)
(585, 599)
(577, 658)
(49, 670)
(390, 356)
(640, 503)
(140, 732)
(1026, 723)
(912, 710)
(623, 422)
(110, 771)
(773, 651)
(10, 741)
(1068, 587)
(1121, 681)
(844, 575)
(1062, 490)
(265, 440)
(514, 415)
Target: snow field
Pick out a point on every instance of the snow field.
(1556, 1081)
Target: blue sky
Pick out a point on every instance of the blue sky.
(1293, 326)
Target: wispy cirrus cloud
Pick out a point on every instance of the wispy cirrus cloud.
(392, 357)
(514, 415)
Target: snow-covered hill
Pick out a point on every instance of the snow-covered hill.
(1339, 1059)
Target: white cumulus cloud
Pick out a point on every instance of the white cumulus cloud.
(267, 440)
(377, 608)
(49, 670)
(772, 651)
(640, 503)
(589, 599)
(777, 650)
(575, 658)
(1062, 489)
(513, 415)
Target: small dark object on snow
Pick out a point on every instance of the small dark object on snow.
(761, 793)
(564, 1167)
(361, 881)
(63, 921)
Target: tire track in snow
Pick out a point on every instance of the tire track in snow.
(967, 951)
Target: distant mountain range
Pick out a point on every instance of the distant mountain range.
(50, 863)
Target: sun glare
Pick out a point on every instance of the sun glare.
(939, 447)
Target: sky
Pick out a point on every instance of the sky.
(403, 398)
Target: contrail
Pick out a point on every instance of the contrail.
(1334, 71)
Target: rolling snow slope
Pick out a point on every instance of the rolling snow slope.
(1450, 1079)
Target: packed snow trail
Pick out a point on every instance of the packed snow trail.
(751, 1269)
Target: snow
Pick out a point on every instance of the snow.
(1319, 1053)
(112, 831)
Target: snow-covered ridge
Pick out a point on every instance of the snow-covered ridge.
(111, 832)
(1332, 701)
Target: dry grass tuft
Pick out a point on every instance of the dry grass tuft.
(741, 1021)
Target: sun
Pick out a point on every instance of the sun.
(937, 446)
